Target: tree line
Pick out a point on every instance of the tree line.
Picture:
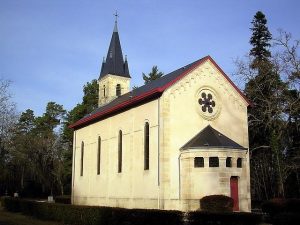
(271, 73)
(36, 151)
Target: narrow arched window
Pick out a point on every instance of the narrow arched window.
(146, 146)
(239, 163)
(228, 162)
(104, 90)
(118, 90)
(99, 155)
(120, 152)
(81, 159)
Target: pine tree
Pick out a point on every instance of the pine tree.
(260, 39)
(265, 90)
(153, 75)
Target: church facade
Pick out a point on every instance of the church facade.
(164, 145)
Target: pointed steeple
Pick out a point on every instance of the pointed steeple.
(114, 63)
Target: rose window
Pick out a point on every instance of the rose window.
(207, 103)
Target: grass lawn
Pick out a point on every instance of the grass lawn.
(8, 218)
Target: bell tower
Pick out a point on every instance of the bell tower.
(114, 79)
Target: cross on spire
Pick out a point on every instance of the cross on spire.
(116, 15)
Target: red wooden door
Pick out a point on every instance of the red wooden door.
(234, 190)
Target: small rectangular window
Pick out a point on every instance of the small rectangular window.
(213, 162)
(228, 162)
(239, 163)
(198, 162)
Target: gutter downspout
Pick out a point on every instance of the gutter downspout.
(158, 154)
(73, 166)
(179, 176)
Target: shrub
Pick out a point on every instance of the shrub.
(216, 203)
(11, 204)
(64, 199)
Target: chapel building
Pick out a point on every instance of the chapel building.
(164, 145)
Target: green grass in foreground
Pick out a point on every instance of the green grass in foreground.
(8, 218)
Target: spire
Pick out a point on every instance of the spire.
(116, 22)
(114, 63)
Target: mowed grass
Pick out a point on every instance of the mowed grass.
(8, 218)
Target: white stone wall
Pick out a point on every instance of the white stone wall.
(134, 187)
(171, 182)
(182, 120)
(195, 183)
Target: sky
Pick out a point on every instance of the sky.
(50, 48)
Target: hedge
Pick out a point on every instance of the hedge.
(224, 218)
(64, 199)
(93, 215)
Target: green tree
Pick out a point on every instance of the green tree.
(8, 119)
(37, 154)
(153, 75)
(88, 104)
(260, 39)
(90, 95)
(274, 117)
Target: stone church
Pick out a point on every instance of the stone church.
(164, 145)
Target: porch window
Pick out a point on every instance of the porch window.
(213, 162)
(239, 163)
(228, 162)
(198, 162)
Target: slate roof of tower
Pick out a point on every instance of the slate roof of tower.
(211, 138)
(145, 93)
(114, 63)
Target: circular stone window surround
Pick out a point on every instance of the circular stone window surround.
(207, 103)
